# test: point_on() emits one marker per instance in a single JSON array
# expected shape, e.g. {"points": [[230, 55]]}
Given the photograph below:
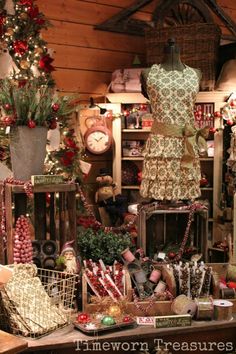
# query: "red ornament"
{"points": [[31, 124], [127, 319], [45, 63], [171, 255], [217, 114], [8, 120], [7, 107], [20, 47], [83, 318], [232, 103], [55, 107], [229, 122]]}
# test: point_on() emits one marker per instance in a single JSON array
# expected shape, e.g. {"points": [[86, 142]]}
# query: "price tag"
{"points": [[161, 255], [8, 128]]}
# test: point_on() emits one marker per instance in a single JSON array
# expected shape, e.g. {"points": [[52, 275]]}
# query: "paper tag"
{"points": [[8, 128], [85, 167], [146, 321], [161, 255]]}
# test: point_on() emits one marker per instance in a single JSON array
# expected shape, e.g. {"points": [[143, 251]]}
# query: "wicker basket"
{"points": [[198, 45]]}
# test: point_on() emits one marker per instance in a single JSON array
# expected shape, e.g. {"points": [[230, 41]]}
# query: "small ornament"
{"points": [[23, 16], [9, 32], [114, 310], [90, 326], [31, 124], [24, 64], [108, 321], [8, 120], [127, 319], [83, 318], [55, 107], [38, 50], [7, 107]]}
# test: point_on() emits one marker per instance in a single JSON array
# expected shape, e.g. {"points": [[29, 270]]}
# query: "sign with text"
{"points": [[204, 115]]}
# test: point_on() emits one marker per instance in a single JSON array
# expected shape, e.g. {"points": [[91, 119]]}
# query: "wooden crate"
{"points": [[158, 308], [58, 222]]}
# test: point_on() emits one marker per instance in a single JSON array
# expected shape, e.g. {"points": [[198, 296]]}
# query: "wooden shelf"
{"points": [[136, 131], [130, 187], [131, 158], [126, 97]]}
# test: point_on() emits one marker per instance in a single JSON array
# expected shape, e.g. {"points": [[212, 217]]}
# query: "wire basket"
{"points": [[37, 301]]}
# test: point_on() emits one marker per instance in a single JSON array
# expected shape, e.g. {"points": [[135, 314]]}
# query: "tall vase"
{"points": [[28, 151]]}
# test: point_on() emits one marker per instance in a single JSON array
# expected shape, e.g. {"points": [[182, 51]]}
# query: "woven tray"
{"points": [[198, 43]]}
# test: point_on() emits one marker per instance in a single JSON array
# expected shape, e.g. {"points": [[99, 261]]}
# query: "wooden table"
{"points": [[216, 335], [10, 344]]}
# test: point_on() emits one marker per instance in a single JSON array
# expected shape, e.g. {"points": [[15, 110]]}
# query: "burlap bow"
{"points": [[193, 136]]}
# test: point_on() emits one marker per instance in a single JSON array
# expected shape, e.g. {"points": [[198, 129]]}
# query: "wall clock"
{"points": [[98, 139]]}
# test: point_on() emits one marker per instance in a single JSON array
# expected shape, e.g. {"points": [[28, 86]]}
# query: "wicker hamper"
{"points": [[198, 45]]}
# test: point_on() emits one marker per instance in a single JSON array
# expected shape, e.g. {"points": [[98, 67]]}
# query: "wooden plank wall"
{"points": [[84, 58]]}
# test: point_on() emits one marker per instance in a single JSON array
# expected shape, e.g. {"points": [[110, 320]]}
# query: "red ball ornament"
{"points": [[171, 255], [232, 103], [31, 124], [8, 120], [55, 107], [7, 107], [127, 319], [217, 114], [229, 122], [83, 318]]}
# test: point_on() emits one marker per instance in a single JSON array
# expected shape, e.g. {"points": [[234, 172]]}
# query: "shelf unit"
{"points": [[212, 164]]}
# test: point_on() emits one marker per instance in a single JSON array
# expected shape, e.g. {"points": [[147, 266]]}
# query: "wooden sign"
{"points": [[172, 321], [39, 180]]}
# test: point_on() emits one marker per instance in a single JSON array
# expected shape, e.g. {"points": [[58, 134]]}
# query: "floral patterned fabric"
{"points": [[172, 97]]}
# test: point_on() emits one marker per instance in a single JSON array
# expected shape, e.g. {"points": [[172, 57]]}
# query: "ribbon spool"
{"points": [[223, 310], [183, 305], [228, 293], [205, 309]]}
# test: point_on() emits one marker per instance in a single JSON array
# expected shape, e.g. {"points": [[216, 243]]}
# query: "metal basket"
{"points": [[37, 301]]}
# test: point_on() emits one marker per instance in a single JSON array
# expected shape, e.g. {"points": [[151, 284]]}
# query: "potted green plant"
{"points": [[28, 111], [100, 244]]}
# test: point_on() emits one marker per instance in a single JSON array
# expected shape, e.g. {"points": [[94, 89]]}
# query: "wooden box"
{"points": [[145, 308]]}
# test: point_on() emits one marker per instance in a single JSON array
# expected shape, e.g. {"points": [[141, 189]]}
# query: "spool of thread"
{"points": [[223, 310], [205, 309], [160, 288], [183, 305], [228, 293], [140, 276], [155, 275], [128, 255]]}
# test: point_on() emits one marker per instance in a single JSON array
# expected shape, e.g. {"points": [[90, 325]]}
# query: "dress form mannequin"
{"points": [[171, 166], [172, 59]]}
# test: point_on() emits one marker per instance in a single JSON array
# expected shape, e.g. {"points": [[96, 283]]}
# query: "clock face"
{"points": [[97, 141]]}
